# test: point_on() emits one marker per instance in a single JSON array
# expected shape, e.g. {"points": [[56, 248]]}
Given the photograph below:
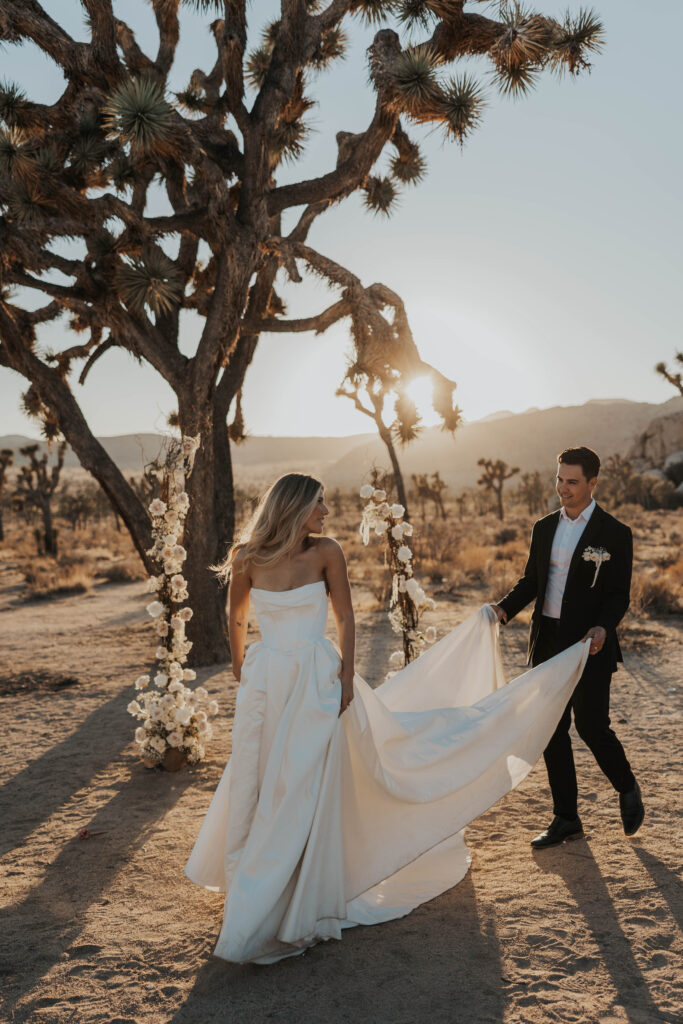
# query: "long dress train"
{"points": [[319, 822]]}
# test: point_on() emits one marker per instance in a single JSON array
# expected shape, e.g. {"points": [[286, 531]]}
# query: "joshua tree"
{"points": [[675, 379], [38, 483], [82, 169], [6, 459], [493, 477], [532, 491], [430, 490]]}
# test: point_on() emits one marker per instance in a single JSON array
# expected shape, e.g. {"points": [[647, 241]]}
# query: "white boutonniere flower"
{"points": [[597, 555]]}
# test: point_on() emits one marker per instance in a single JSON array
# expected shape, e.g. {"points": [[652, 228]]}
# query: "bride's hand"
{"points": [[346, 695]]}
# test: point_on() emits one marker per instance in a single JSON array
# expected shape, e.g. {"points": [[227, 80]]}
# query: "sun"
{"points": [[420, 391]]}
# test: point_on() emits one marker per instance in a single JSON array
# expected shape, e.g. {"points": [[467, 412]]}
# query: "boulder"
{"points": [[660, 438], [673, 466]]}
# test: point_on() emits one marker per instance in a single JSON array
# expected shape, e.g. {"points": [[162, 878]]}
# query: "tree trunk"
{"points": [[398, 476], [209, 521], [49, 530], [499, 496], [2, 530]]}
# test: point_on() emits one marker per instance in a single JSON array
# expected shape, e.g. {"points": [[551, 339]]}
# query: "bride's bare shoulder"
{"points": [[329, 549]]}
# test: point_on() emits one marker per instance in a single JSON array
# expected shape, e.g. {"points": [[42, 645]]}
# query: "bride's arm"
{"points": [[238, 616], [340, 595]]}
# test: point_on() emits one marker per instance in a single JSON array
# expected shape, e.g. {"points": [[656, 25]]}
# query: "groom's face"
{"points": [[574, 490]]}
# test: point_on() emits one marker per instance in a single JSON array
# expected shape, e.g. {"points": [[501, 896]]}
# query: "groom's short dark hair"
{"points": [[584, 457]]}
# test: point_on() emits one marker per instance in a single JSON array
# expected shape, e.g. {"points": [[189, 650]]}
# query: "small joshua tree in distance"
{"points": [[493, 477], [675, 379]]}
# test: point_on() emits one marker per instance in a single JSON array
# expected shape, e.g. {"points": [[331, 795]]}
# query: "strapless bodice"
{"points": [[291, 619]]}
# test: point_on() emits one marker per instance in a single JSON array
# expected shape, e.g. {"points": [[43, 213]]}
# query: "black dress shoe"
{"points": [[557, 831], [632, 810]]}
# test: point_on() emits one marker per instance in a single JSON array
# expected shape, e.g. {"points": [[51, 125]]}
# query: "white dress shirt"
{"points": [[567, 536]]}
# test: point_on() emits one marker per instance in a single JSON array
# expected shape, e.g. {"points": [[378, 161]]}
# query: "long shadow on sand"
{"points": [[32, 795], [581, 874], [440, 964], [52, 913], [667, 882]]}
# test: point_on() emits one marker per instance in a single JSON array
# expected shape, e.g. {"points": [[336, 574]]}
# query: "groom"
{"points": [[579, 574]]}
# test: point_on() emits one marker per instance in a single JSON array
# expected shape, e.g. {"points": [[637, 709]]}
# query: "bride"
{"points": [[342, 805]]}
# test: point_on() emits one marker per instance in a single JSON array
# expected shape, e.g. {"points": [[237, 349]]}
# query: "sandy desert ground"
{"points": [[108, 929]]}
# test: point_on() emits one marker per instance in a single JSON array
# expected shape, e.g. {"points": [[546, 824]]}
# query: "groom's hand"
{"points": [[501, 613], [597, 636]]}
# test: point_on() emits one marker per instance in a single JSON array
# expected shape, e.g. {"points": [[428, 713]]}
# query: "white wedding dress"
{"points": [[321, 822]]}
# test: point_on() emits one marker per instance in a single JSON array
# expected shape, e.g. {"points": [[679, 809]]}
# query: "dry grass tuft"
{"points": [[128, 570], [656, 594], [47, 580]]}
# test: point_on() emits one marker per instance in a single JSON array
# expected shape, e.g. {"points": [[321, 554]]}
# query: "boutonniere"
{"points": [[597, 555]]}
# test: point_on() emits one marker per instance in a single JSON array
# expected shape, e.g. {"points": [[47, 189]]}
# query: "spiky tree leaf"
{"points": [[373, 12], [12, 101], [409, 169], [577, 35], [517, 80], [256, 67], [151, 281], [332, 46], [380, 195], [288, 139], [11, 142], [406, 425], [413, 74], [414, 13], [461, 104], [525, 38], [139, 114]]}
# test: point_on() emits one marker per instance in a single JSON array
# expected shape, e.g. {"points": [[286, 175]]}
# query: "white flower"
{"points": [[402, 585], [160, 653], [175, 738], [396, 657], [203, 728], [170, 539], [158, 507], [156, 714], [179, 553], [153, 584], [404, 554], [134, 708], [408, 529], [176, 670], [178, 580], [430, 602], [202, 693], [412, 587], [366, 491], [189, 674], [185, 614], [183, 716], [160, 680], [430, 634], [182, 502], [383, 509], [200, 716], [167, 702], [382, 527], [213, 708], [177, 623], [155, 608], [397, 511], [161, 627], [379, 495], [158, 744], [419, 597], [140, 735], [141, 682], [176, 687], [397, 531]]}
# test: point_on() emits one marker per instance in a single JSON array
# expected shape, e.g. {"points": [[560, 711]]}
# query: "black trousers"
{"points": [[590, 703]]}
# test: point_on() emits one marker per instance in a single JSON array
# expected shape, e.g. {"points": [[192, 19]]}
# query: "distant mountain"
{"points": [[529, 440]]}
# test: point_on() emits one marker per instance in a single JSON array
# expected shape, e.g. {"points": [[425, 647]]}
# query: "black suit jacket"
{"points": [[583, 605]]}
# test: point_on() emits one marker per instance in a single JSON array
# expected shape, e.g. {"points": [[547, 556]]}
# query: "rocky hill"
{"points": [[529, 440]]}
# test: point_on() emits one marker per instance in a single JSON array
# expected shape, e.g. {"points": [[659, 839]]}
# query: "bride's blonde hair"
{"points": [[274, 529]]}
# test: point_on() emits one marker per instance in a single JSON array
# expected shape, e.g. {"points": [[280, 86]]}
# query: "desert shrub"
{"points": [[473, 559], [505, 535], [127, 570], [47, 580], [501, 577], [655, 594]]}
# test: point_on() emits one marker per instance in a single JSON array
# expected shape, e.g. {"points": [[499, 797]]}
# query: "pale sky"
{"points": [[539, 266]]}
